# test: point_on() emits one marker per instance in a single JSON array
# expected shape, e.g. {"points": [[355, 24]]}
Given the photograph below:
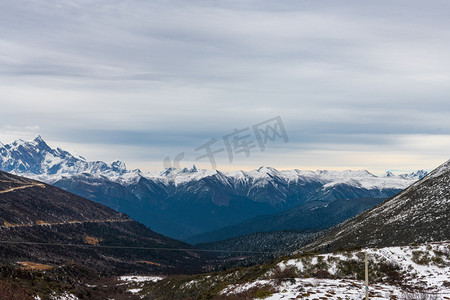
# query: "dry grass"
{"points": [[149, 263], [92, 240], [27, 265]]}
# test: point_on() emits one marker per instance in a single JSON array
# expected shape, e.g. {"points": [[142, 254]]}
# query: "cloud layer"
{"points": [[357, 84]]}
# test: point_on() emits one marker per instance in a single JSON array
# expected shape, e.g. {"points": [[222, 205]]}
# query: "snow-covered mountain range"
{"points": [[170, 201], [35, 159]]}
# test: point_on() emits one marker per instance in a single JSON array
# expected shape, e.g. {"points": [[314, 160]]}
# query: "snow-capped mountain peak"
{"points": [[38, 139], [389, 174], [191, 170], [267, 170], [416, 175], [38, 160], [119, 167]]}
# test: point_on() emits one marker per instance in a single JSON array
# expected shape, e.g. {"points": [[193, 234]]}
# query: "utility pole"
{"points": [[367, 275]]}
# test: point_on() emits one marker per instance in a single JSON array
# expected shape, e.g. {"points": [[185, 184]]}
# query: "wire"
{"points": [[138, 248]]}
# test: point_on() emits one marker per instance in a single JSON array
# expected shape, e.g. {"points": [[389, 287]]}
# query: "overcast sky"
{"points": [[357, 84]]}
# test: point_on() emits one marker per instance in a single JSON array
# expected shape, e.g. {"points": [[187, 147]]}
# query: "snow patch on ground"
{"points": [[139, 279], [135, 283], [134, 291], [65, 296]]}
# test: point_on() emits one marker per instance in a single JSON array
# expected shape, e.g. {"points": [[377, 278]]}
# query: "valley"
{"points": [[311, 246]]}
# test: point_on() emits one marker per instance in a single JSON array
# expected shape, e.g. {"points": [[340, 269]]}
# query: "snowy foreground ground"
{"points": [[396, 273], [423, 273], [137, 280], [339, 289]]}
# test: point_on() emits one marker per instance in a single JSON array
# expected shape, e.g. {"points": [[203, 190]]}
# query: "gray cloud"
{"points": [[165, 75]]}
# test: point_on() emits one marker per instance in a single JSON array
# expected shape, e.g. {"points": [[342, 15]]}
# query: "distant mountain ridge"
{"points": [[171, 201]]}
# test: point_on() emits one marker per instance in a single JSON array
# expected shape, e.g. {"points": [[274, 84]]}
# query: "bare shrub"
{"points": [[11, 291], [286, 274]]}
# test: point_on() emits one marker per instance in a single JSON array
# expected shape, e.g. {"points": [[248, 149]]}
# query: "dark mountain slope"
{"points": [[313, 216], [25, 201], [39, 220], [259, 247], [419, 214]]}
